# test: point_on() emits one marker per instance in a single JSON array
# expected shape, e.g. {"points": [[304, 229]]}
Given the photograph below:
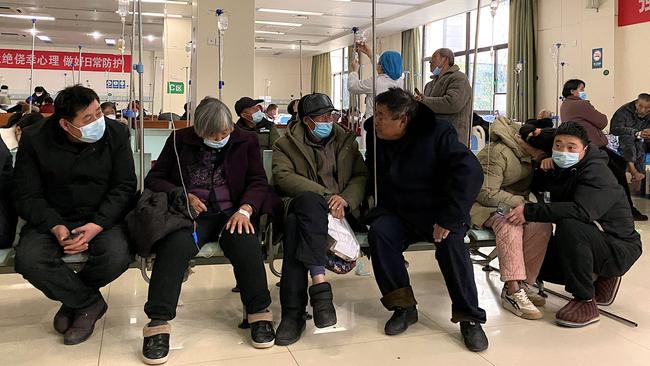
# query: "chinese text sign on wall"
{"points": [[54, 60]]}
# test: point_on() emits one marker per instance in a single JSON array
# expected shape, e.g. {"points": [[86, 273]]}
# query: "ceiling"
{"points": [[331, 28]]}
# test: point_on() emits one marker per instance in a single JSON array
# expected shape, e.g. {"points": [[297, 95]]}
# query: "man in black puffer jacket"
{"points": [[594, 231], [74, 182], [427, 183]]}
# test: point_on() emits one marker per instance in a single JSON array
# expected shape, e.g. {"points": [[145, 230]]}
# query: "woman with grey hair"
{"points": [[220, 170]]}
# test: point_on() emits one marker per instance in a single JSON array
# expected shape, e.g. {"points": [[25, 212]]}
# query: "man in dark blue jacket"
{"points": [[74, 182], [427, 182]]}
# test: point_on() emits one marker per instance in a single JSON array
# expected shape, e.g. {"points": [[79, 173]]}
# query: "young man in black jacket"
{"points": [[595, 242], [427, 182], [74, 182]]}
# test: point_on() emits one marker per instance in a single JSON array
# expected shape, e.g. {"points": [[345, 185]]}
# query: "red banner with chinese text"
{"points": [[633, 12], [55, 60]]}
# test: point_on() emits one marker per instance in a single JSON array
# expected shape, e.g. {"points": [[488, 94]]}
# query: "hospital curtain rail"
{"points": [[321, 74], [412, 56], [521, 49]]}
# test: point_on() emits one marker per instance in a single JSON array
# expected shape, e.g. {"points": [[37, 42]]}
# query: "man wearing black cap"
{"points": [[251, 118], [317, 166]]}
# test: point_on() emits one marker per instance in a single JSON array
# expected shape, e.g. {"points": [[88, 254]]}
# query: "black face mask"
{"points": [[543, 141]]}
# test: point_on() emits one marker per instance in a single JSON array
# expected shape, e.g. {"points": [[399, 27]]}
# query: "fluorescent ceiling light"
{"points": [[157, 15], [44, 38], [278, 23], [166, 2], [110, 41], [269, 32], [284, 11], [151, 38], [28, 17], [95, 34]]}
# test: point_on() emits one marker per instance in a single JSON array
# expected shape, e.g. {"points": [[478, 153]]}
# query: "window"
{"points": [[340, 95], [457, 33]]}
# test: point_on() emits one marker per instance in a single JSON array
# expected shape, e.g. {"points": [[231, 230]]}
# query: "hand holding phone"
{"points": [[503, 209]]}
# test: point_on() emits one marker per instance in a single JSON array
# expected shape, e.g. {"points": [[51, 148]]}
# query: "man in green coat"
{"points": [[317, 166]]}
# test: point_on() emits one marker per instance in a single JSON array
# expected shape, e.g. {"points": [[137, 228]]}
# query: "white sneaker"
{"points": [[533, 294], [519, 304]]}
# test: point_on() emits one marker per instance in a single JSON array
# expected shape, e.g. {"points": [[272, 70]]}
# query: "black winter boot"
{"points": [[290, 329], [320, 297], [401, 320]]}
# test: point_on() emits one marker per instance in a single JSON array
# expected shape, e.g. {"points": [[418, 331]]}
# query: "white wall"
{"points": [[284, 76], [625, 53], [632, 57], [579, 30], [54, 80]]}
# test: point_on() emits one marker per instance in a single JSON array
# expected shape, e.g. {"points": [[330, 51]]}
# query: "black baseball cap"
{"points": [[246, 102], [313, 105]]}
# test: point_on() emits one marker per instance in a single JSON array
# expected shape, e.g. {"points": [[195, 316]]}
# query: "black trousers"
{"points": [[305, 243], [578, 250], [389, 237], [174, 252], [618, 166], [38, 259]]}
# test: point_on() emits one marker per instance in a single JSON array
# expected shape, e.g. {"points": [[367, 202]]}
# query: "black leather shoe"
{"points": [[638, 216], [289, 331], [474, 336], [63, 319], [320, 297], [401, 320], [262, 334], [155, 347], [84, 321]]}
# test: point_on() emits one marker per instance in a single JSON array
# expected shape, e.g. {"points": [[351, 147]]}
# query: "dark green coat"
{"points": [[295, 170]]}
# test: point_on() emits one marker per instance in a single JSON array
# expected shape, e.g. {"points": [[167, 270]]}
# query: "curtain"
{"points": [[321, 74], [412, 56], [521, 50]]}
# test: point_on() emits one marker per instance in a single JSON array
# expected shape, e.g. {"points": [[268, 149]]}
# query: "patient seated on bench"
{"points": [[319, 170], [507, 164], [427, 181], [221, 169], [74, 180]]}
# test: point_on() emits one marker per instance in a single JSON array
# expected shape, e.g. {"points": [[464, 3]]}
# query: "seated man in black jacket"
{"points": [[595, 242], [427, 182], [252, 118], [74, 181]]}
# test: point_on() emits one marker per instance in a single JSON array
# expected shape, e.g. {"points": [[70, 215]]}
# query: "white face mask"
{"points": [[91, 132], [111, 116], [217, 144], [39, 94]]}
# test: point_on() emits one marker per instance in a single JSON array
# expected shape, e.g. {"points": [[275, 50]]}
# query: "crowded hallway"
{"points": [[305, 183]]}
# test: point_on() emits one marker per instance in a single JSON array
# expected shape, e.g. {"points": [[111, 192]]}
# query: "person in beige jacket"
{"points": [[508, 168]]}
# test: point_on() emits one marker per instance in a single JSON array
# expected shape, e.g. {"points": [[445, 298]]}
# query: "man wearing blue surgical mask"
{"points": [[449, 94], [595, 242], [252, 118], [74, 181], [319, 170]]}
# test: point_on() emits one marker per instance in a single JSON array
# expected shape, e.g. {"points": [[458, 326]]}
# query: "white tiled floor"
{"points": [[205, 331]]}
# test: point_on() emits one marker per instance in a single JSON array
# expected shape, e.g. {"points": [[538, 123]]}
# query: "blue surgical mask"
{"points": [[258, 117], [583, 95], [322, 130], [91, 132], [565, 159], [437, 71], [217, 144]]}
